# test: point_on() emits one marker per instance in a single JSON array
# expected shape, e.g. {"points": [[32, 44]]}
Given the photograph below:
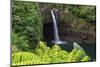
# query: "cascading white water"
{"points": [[56, 35]]}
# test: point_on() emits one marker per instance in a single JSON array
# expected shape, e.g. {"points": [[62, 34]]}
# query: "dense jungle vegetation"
{"points": [[28, 19]]}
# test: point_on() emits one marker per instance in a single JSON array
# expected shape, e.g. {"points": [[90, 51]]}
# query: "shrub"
{"points": [[14, 49], [27, 21], [86, 12], [19, 43], [46, 55]]}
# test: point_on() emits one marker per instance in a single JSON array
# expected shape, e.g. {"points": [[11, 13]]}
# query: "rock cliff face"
{"points": [[71, 27]]}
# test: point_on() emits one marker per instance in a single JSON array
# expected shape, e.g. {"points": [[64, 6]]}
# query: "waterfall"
{"points": [[56, 35]]}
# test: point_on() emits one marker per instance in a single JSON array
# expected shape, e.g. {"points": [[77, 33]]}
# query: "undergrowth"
{"points": [[47, 55]]}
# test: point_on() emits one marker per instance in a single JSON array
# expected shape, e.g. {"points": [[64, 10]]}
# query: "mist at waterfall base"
{"points": [[51, 35]]}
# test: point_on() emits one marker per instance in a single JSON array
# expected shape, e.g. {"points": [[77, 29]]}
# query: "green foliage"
{"points": [[14, 49], [45, 55], [19, 43], [27, 21], [86, 12], [86, 58]]}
